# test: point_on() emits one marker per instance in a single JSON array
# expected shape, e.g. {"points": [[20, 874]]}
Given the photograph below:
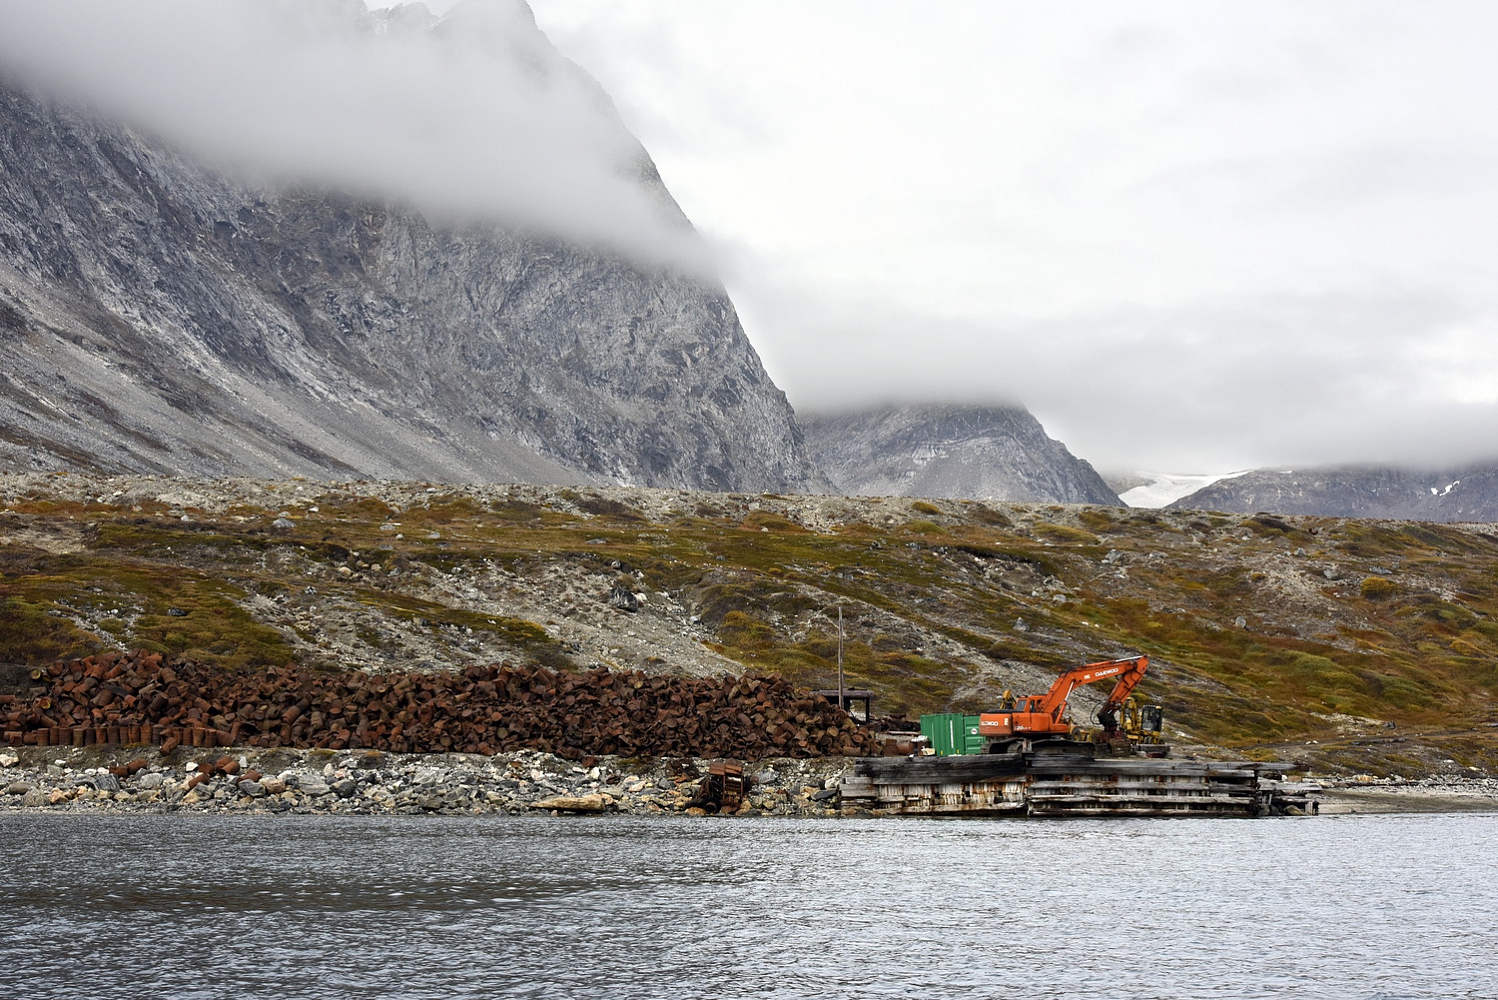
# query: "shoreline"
{"points": [[1425, 796], [249, 780], [362, 782]]}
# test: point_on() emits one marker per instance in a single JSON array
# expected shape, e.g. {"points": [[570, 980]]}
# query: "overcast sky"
{"points": [[1189, 236]]}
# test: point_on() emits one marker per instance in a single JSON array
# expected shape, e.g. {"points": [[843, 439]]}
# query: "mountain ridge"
{"points": [[158, 316], [1467, 493], [950, 451]]}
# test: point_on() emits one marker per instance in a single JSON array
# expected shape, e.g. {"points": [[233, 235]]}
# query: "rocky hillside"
{"points": [[159, 316], [956, 452], [1467, 494], [1264, 632]]}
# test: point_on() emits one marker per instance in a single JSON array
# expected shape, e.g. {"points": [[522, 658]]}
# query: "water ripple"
{"points": [[1350, 908]]}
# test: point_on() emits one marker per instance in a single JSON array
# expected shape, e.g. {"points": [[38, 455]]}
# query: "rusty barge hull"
{"points": [[1070, 785]]}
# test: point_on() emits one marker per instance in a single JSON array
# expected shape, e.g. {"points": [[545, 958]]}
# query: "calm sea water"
{"points": [[1341, 907]]}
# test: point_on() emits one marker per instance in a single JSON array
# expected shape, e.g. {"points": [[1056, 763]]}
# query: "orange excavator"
{"points": [[1043, 717]]}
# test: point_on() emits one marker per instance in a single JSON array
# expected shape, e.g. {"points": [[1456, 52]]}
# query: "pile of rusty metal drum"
{"points": [[145, 698]]}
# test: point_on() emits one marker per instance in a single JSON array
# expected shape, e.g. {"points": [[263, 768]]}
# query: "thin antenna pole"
{"points": [[842, 691]]}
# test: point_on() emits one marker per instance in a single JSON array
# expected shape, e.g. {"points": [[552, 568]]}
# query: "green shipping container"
{"points": [[971, 741], [951, 734], [944, 733]]}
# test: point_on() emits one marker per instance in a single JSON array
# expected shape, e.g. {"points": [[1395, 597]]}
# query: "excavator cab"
{"points": [[1143, 724]]}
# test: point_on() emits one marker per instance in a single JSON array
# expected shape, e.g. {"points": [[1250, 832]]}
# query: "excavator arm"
{"points": [[1127, 681], [1129, 671]]}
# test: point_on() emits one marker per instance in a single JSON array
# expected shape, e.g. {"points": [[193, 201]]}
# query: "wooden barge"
{"points": [[1072, 784]]}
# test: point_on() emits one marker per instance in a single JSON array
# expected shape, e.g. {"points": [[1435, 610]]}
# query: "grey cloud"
{"points": [[1292, 380], [470, 115]]}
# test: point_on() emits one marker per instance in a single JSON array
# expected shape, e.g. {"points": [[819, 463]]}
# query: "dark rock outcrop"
{"points": [[1469, 494], [958, 452], [159, 316]]}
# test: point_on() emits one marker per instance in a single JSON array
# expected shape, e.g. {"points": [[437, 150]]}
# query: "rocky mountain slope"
{"points": [[1468, 494], [1264, 632], [159, 316], [957, 452]]}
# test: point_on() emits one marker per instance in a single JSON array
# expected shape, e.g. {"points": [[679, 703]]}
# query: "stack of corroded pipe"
{"points": [[144, 698]]}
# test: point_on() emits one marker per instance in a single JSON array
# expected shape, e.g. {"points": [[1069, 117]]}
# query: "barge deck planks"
{"points": [[1071, 784]]}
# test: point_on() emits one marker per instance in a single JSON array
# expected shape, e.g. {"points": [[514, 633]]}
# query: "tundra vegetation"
{"points": [[1294, 637]]}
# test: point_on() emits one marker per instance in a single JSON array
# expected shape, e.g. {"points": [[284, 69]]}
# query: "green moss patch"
{"points": [[28, 634]]}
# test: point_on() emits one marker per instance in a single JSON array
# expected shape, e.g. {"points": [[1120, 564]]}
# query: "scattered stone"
{"points": [[345, 787], [623, 598], [312, 785], [18, 788], [253, 789], [273, 786], [35, 798], [146, 782]]}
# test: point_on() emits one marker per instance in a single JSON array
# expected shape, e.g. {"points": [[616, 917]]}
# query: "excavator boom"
{"points": [[1129, 671]]}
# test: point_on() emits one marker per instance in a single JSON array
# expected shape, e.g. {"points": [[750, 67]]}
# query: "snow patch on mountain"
{"points": [[1162, 488]]}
